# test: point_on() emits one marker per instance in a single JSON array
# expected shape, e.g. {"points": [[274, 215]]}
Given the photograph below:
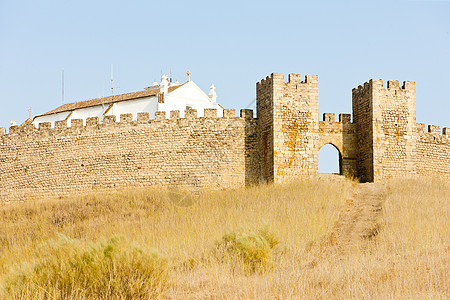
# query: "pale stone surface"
{"points": [[204, 149], [209, 151]]}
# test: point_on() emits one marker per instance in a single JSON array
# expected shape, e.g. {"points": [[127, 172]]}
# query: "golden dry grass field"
{"points": [[326, 238]]}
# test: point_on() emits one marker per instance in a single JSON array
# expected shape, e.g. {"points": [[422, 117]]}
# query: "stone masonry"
{"points": [[282, 143], [207, 151]]}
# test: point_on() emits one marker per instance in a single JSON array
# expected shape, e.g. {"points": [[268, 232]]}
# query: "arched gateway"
{"points": [[330, 159]]}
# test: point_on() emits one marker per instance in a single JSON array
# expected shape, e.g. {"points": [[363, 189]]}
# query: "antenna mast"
{"points": [[62, 82], [112, 81]]}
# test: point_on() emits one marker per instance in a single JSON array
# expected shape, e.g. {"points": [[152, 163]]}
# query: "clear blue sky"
{"points": [[232, 44]]}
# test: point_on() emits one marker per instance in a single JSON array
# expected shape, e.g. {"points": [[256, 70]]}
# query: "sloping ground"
{"points": [[364, 241], [360, 218]]}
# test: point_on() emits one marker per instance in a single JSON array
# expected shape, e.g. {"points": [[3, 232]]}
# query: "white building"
{"points": [[165, 96]]}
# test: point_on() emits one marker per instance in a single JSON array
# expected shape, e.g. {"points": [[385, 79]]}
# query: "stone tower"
{"points": [[288, 116], [385, 121]]}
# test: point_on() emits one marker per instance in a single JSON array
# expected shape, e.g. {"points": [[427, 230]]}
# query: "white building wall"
{"points": [[187, 95], [148, 104], [50, 118], [88, 112]]}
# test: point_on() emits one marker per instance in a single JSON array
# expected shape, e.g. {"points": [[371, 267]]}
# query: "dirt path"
{"points": [[359, 220]]}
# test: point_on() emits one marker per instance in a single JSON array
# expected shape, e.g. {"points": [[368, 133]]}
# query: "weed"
{"points": [[68, 268]]}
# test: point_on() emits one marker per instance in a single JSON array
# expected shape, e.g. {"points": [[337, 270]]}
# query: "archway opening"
{"points": [[330, 160]]}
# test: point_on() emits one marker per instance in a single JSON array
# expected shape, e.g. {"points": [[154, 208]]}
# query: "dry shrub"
{"points": [[108, 269], [253, 250], [302, 211]]}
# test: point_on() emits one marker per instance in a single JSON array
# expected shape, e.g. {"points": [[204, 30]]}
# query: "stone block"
{"points": [[60, 125], [143, 117], [345, 118], [210, 113], [109, 120], [190, 113], [229, 113], [45, 126], [92, 122], [393, 84], [14, 129], [329, 117], [174, 114], [420, 127], [76, 123], [126, 118], [434, 129], [160, 115], [246, 113]]}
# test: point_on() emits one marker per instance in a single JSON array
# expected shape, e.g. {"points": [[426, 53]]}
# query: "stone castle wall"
{"points": [[382, 141], [342, 135], [288, 113], [394, 122], [207, 151], [265, 112], [433, 151], [283, 143], [362, 104], [385, 121]]}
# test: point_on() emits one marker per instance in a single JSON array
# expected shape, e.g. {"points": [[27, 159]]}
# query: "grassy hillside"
{"points": [[259, 242]]}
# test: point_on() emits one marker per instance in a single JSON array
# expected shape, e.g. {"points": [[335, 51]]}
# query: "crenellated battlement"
{"points": [[378, 84], [293, 79], [265, 81], [297, 79], [76, 125], [331, 118], [380, 139], [208, 151], [433, 130]]}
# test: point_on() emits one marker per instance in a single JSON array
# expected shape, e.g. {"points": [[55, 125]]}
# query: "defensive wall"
{"points": [[382, 141], [208, 151]]}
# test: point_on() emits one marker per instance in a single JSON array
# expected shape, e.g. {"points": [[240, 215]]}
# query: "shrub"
{"points": [[252, 249], [67, 268]]}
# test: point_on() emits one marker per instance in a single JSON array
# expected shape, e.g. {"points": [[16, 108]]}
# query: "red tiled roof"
{"points": [[107, 100]]}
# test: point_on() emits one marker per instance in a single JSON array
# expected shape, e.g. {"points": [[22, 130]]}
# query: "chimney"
{"points": [[164, 86], [212, 93]]}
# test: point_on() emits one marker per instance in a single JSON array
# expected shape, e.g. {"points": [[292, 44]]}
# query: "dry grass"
{"points": [[408, 258]]}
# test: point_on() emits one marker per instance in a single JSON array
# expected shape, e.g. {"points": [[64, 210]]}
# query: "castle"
{"points": [[282, 143]]}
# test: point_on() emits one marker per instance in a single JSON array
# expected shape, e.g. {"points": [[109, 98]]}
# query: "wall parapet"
{"points": [[76, 125], [432, 130], [292, 79], [331, 118], [210, 151], [390, 85]]}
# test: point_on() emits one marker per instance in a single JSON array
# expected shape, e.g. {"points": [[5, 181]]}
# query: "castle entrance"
{"points": [[330, 159]]}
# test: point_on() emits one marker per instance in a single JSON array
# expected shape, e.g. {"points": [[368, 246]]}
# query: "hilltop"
{"points": [[319, 238]]}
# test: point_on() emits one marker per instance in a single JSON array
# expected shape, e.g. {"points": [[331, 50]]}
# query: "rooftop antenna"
{"points": [[251, 104], [112, 81], [170, 75], [103, 96], [62, 82], [188, 75]]}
